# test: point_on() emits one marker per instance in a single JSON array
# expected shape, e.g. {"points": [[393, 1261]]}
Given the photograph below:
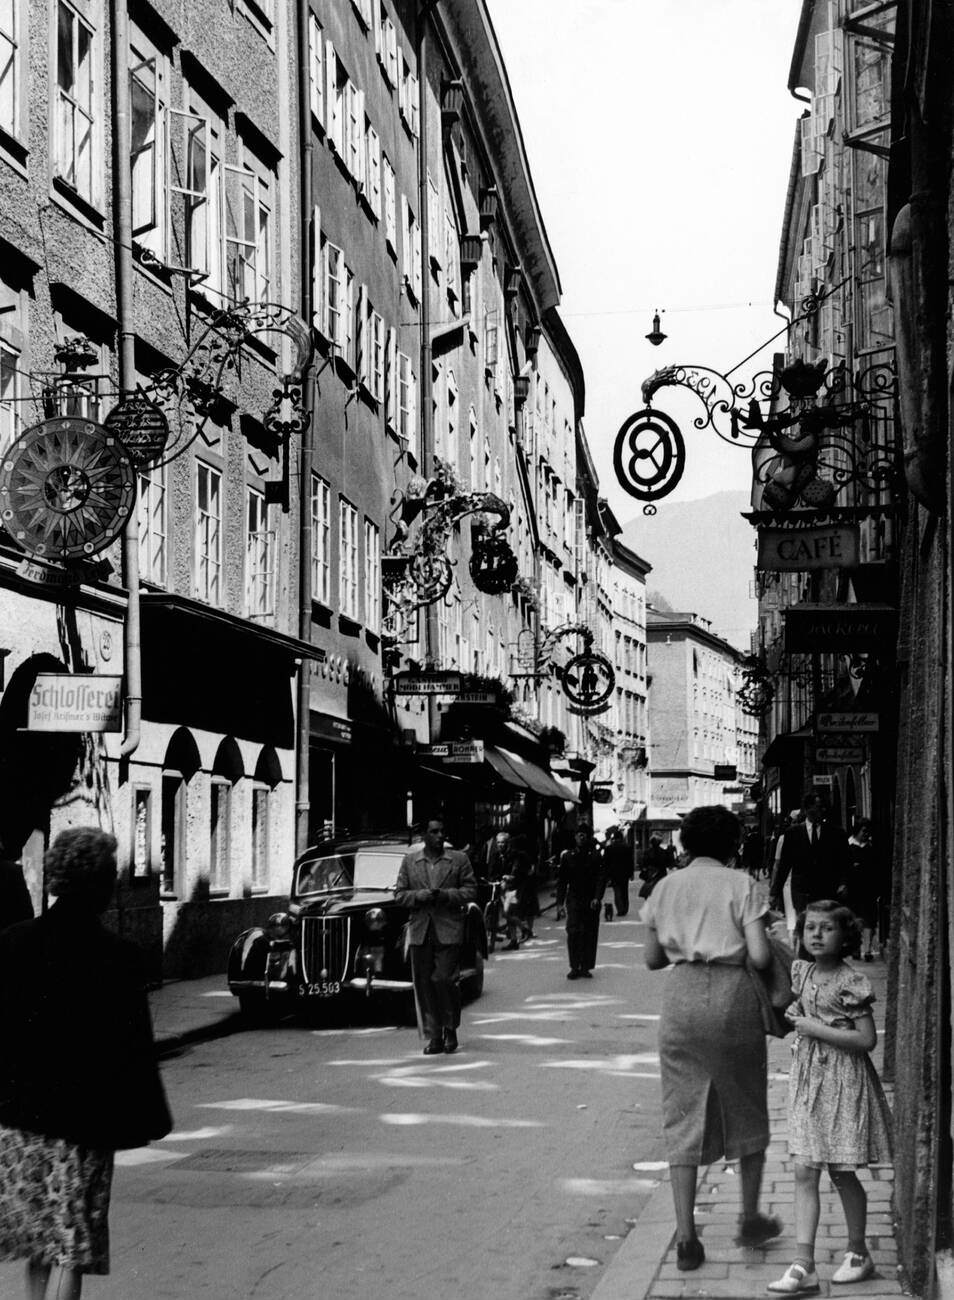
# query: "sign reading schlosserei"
{"points": [[75, 702], [790, 550]]}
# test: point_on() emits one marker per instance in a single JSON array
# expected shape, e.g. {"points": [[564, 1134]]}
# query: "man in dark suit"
{"points": [[436, 884], [814, 855]]}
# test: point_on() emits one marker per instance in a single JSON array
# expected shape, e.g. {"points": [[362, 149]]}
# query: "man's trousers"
{"points": [[435, 970]]}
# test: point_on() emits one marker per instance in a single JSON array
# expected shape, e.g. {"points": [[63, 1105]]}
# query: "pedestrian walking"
{"points": [[862, 889], [653, 866], [581, 885], [436, 884], [15, 901], [619, 867], [706, 921], [838, 1115], [78, 1073], [524, 874], [811, 860]]}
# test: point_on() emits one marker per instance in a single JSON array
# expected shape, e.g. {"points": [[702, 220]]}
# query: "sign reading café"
{"points": [[790, 550], [75, 702]]}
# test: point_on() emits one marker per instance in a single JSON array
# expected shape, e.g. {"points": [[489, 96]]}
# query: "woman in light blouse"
{"points": [[704, 921]]}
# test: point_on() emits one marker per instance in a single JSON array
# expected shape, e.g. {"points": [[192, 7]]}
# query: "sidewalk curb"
{"points": [[633, 1269]]}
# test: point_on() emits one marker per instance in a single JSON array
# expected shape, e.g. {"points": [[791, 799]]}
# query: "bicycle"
{"points": [[495, 923]]}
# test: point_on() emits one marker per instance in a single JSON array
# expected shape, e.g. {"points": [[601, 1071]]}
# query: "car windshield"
{"points": [[370, 868]]}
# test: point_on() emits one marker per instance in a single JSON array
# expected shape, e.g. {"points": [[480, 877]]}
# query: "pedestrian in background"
{"points": [[619, 867], [436, 884], [653, 866], [15, 901], [581, 884], [78, 1073], [811, 860], [863, 884], [838, 1115], [524, 872], [704, 921]]}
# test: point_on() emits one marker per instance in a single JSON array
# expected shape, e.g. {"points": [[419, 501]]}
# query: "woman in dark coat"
{"points": [[78, 1074]]}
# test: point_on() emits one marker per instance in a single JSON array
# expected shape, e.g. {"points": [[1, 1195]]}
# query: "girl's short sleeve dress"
{"points": [[838, 1113]]}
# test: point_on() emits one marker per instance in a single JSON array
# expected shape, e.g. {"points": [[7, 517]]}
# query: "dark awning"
{"points": [[785, 745], [523, 774], [191, 617]]}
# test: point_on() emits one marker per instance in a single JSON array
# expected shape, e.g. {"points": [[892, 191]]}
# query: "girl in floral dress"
{"points": [[838, 1115]]}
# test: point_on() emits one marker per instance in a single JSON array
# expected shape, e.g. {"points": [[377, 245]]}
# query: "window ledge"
{"points": [[14, 152], [348, 626], [76, 205]]}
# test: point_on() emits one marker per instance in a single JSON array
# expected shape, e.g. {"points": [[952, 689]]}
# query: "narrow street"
{"points": [[335, 1163]]}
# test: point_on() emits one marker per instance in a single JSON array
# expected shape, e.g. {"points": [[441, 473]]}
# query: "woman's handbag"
{"points": [[773, 988]]}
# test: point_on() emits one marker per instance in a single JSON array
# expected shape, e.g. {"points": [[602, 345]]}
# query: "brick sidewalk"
{"points": [[645, 1265]]}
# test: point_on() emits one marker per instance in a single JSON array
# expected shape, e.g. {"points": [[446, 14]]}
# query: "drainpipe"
{"points": [[122, 182], [307, 457], [431, 625]]}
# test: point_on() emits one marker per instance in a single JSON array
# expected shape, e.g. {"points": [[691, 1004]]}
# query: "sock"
{"points": [[858, 1245], [805, 1255]]}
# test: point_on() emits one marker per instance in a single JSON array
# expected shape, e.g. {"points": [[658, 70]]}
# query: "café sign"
{"points": [[75, 702], [839, 629], [840, 754], [850, 720], [789, 550]]}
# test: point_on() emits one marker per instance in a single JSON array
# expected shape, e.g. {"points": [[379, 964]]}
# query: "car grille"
{"points": [[324, 947]]}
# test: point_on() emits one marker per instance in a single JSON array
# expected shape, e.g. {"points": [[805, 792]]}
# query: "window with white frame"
{"points": [[407, 402], [453, 419], [316, 68], [491, 348], [451, 257], [336, 84], [208, 534], [435, 228], [75, 101], [390, 381], [148, 100], [260, 550], [354, 132], [411, 249], [375, 352], [348, 342], [11, 66], [387, 51], [372, 179], [9, 392], [260, 834], [390, 203], [337, 299], [320, 540], [363, 9], [474, 451], [249, 208], [196, 153], [372, 576], [348, 559], [408, 97], [151, 504]]}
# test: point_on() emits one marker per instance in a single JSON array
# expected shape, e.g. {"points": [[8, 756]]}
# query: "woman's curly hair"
{"points": [[711, 831], [80, 862], [843, 917]]}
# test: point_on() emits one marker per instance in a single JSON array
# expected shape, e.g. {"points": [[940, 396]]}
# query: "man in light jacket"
{"points": [[436, 884]]}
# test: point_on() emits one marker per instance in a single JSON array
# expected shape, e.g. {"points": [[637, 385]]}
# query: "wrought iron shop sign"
{"points": [[427, 683], [838, 754], [75, 702], [790, 550], [142, 428], [837, 629], [850, 720]]}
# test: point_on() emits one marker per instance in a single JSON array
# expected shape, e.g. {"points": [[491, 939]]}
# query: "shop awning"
{"points": [[785, 745], [523, 774]]}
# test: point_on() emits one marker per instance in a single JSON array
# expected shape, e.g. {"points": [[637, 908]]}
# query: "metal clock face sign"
{"points": [[67, 488]]}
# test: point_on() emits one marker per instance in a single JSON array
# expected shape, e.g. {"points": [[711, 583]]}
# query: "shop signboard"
{"points": [[725, 771], [444, 701], [849, 720], [837, 629], [840, 754], [465, 751], [791, 550], [823, 781], [75, 702], [426, 683]]}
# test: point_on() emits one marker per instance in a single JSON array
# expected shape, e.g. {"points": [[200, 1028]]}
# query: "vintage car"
{"points": [[342, 936]]}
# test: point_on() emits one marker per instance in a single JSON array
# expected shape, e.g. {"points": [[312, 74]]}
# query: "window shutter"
{"points": [[376, 25], [390, 380], [332, 103], [361, 337], [412, 410], [347, 318], [359, 141], [316, 69], [412, 105], [373, 169], [407, 257], [418, 278], [317, 286]]}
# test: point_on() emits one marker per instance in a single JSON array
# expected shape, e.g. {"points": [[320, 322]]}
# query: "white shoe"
{"points": [[796, 1281], [854, 1268]]}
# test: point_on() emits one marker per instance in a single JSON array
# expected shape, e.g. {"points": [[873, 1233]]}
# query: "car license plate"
{"points": [[323, 989]]}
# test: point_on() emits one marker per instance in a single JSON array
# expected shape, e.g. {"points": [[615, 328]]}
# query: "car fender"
{"points": [[248, 954], [477, 931]]}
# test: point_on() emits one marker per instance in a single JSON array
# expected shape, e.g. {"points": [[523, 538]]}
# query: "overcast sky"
{"points": [[659, 134]]}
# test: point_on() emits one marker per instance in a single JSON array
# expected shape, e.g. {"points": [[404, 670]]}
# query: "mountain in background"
{"points": [[703, 558]]}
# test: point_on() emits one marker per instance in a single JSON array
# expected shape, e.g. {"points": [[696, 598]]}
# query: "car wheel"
{"points": [[474, 984], [259, 1010]]}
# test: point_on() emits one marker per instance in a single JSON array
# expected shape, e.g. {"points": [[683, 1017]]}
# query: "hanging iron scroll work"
{"points": [[588, 678], [67, 488], [419, 572]]}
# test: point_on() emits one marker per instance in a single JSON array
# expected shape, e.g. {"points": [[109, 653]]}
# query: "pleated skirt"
{"points": [[713, 1064]]}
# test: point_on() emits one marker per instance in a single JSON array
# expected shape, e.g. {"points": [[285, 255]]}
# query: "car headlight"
{"points": [[375, 919], [280, 925]]}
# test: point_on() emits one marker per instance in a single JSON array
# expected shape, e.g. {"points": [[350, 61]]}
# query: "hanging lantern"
{"points": [[655, 335]]}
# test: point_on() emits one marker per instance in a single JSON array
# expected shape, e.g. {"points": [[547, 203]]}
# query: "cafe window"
{"points": [[142, 833]]}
